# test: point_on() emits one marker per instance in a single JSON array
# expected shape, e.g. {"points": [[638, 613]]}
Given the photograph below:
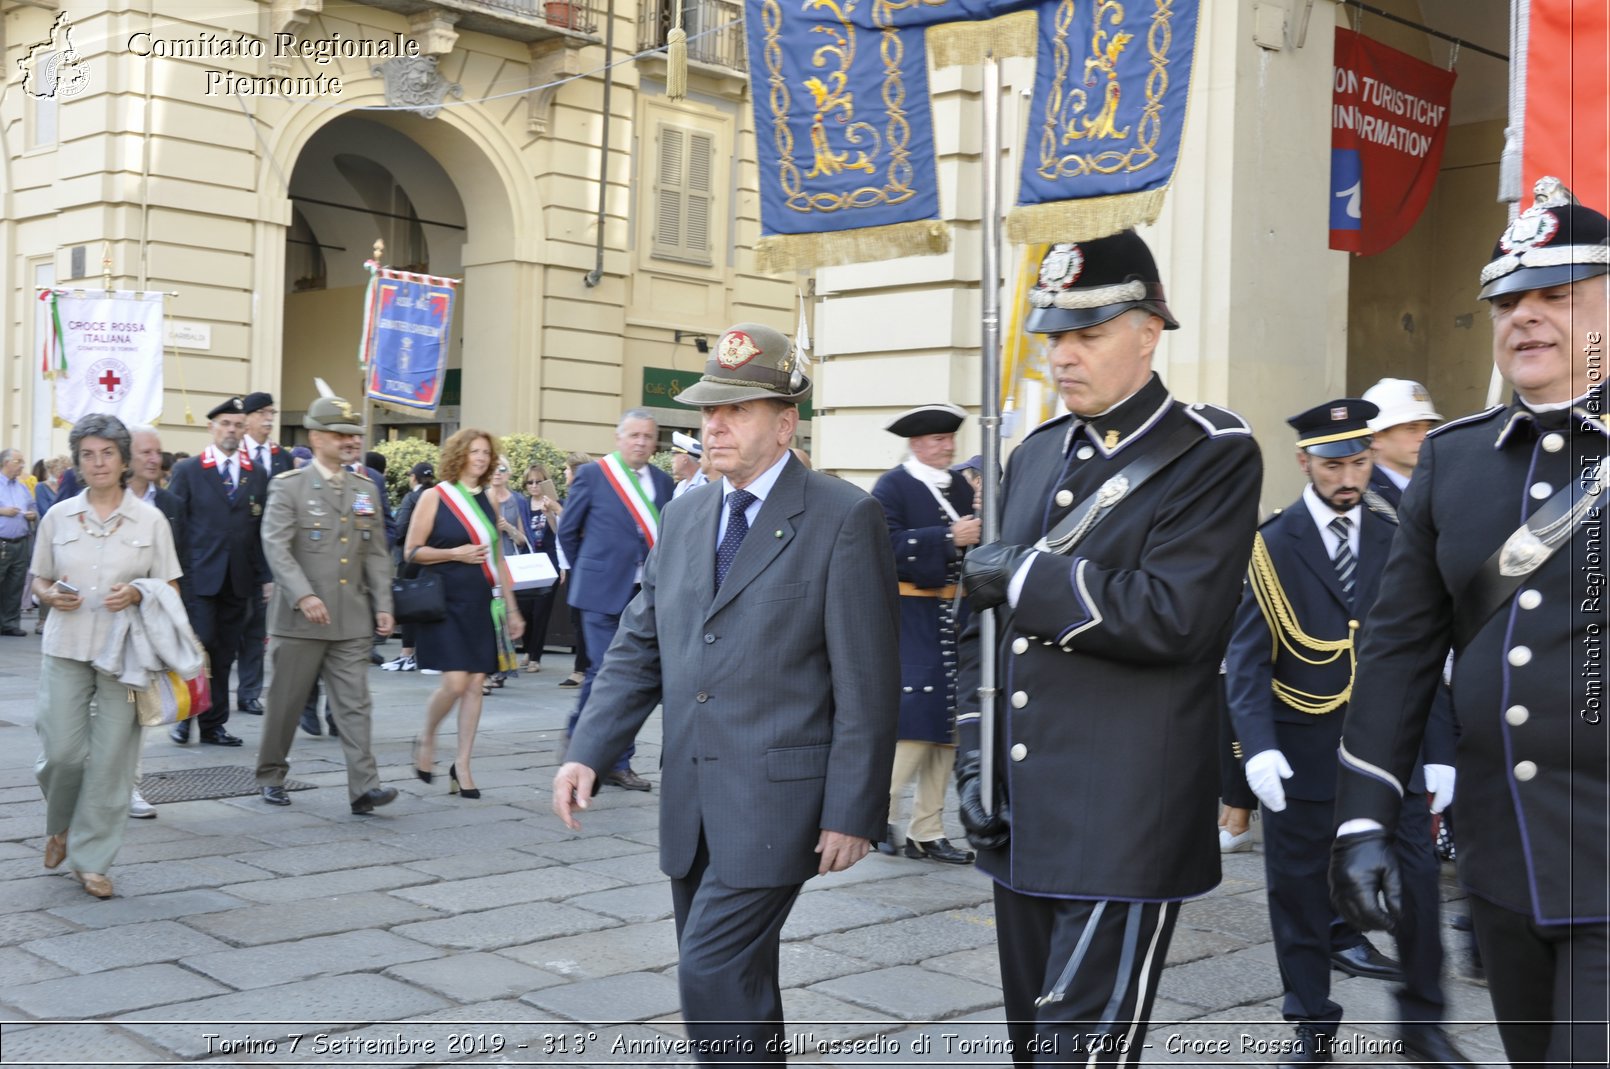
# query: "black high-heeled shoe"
{"points": [[453, 788], [425, 775]]}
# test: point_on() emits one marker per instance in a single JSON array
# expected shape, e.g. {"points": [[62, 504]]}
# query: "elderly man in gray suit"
{"points": [[768, 627]]}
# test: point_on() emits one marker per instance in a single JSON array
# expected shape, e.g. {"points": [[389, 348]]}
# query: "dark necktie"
{"points": [[229, 478], [262, 457], [737, 527], [1346, 564]]}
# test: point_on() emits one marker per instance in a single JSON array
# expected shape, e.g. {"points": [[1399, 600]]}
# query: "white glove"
{"points": [[1439, 784], [1264, 772]]}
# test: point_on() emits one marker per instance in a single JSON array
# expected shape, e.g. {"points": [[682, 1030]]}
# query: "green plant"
{"points": [[523, 450], [662, 460], [401, 455]]}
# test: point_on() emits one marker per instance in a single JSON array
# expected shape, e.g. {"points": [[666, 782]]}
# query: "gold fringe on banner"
{"points": [[955, 44], [781, 253], [1083, 220]]}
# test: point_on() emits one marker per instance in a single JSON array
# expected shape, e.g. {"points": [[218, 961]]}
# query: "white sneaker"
{"points": [[430, 671], [1234, 844], [139, 808], [401, 664]]}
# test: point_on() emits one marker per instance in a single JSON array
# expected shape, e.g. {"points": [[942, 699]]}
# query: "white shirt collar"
{"points": [[763, 483], [1323, 514], [1399, 481]]}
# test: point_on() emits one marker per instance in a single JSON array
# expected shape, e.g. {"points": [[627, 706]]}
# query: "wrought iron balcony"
{"points": [[715, 30], [520, 20]]}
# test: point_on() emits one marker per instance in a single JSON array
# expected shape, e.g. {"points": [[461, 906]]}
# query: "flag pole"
{"points": [[989, 419], [1510, 176]]}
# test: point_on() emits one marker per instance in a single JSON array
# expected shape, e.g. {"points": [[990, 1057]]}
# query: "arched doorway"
{"points": [[355, 181]]}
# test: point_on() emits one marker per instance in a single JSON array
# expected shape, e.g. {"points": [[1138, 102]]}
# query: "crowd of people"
{"points": [[1134, 653]]}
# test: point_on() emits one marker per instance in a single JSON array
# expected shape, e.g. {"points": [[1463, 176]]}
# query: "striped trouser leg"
{"points": [[1080, 976]]}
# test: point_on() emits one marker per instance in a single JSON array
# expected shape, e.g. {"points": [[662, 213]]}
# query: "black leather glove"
{"points": [[987, 572], [986, 831], [1363, 875]]}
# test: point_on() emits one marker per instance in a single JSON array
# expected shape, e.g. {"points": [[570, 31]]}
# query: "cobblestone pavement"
{"points": [[484, 932]]}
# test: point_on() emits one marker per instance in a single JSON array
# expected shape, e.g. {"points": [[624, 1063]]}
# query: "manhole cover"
{"points": [[194, 784]]}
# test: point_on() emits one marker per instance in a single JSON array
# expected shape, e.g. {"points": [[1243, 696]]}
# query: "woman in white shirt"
{"points": [[87, 554]]}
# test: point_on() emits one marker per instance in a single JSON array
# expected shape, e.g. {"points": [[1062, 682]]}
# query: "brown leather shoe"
{"points": [[55, 850], [96, 884], [628, 779]]}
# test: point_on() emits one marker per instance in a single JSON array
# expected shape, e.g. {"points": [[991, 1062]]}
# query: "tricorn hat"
{"points": [[1085, 283], [333, 414], [749, 362], [1553, 242], [1338, 428], [927, 419], [231, 406]]}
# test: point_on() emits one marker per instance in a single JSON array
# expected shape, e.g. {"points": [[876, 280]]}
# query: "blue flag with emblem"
{"points": [[406, 320], [844, 126]]}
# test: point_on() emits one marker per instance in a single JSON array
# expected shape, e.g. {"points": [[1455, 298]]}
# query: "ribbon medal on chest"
{"points": [[363, 503]]}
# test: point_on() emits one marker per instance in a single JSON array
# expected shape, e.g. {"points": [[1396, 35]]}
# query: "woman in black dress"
{"points": [[454, 531]]}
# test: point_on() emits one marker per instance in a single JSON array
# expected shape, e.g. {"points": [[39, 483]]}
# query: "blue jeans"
{"points": [[598, 629]]}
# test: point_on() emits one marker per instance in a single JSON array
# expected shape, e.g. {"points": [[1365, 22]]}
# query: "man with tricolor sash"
{"points": [[611, 521]]}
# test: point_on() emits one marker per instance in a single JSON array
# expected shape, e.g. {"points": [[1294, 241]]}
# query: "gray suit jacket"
{"points": [[781, 693]]}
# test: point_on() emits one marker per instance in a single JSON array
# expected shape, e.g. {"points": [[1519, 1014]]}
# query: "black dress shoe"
{"points": [[886, 846], [276, 795], [310, 722], [330, 722], [1311, 1048], [253, 706], [938, 850], [13, 632], [375, 657], [366, 802], [625, 777], [180, 732], [1364, 960], [219, 737], [1429, 1045]]}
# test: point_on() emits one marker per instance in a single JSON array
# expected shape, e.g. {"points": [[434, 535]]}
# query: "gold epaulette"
{"points": [[1289, 635]]}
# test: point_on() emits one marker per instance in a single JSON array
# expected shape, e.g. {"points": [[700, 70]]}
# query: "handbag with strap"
{"points": [[418, 598], [531, 571], [172, 699]]}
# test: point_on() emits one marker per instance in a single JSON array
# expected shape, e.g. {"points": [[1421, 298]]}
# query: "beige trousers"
{"points": [[929, 764], [294, 663]]}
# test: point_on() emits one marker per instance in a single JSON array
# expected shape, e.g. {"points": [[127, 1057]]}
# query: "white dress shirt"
{"points": [[760, 488], [1323, 514]]}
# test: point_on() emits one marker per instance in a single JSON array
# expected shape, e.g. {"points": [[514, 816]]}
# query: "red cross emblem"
{"points": [[110, 381]]}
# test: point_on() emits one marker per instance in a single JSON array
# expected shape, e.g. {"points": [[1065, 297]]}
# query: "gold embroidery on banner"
{"points": [[1066, 119], [830, 94]]}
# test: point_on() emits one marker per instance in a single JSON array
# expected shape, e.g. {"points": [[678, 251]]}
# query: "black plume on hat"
{"points": [[1085, 283], [1553, 242]]}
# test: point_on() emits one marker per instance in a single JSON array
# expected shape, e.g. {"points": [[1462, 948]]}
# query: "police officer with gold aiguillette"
{"points": [[325, 538], [1500, 554], [1315, 572]]}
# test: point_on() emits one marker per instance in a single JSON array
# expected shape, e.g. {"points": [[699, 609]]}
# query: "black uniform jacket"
{"points": [[1383, 485], [925, 557], [224, 547], [1107, 726], [1528, 688], [1304, 594]]}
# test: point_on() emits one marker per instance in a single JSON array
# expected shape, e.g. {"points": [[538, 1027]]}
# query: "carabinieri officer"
{"points": [[1111, 634], [1500, 553]]}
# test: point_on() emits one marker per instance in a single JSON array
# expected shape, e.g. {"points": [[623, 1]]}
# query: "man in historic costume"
{"points": [[1499, 554], [767, 626], [1406, 417], [929, 511], [1125, 526], [1316, 570]]}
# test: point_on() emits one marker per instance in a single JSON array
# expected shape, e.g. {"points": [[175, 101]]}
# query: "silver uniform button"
{"points": [[1553, 442], [1530, 599], [1520, 656], [1020, 699], [927, 690], [1020, 645], [1541, 491], [1525, 771], [1064, 498], [1019, 752], [1516, 715], [1084, 452]]}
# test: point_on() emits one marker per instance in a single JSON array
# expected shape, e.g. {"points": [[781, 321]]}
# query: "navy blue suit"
{"points": [[605, 549], [223, 559], [1297, 839], [1382, 484]]}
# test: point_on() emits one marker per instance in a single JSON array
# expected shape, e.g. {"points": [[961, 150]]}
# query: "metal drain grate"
{"points": [[194, 784]]}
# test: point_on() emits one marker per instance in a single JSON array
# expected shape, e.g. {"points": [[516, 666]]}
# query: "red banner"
{"points": [[1567, 84], [1389, 123]]}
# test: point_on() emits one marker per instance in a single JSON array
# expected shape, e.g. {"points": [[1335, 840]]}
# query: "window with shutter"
{"points": [[683, 195]]}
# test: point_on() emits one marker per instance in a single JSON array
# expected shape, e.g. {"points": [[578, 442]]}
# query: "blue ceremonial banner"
{"points": [[845, 127], [406, 320]]}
